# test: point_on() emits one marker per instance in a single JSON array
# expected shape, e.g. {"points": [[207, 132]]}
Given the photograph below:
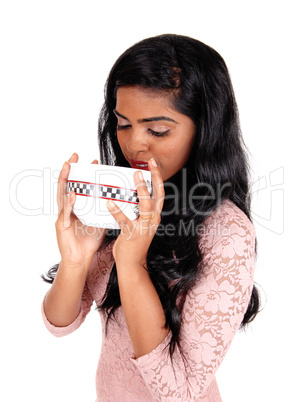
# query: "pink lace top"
{"points": [[212, 313]]}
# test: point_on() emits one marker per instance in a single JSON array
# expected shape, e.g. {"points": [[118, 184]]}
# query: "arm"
{"points": [[142, 308], [63, 302], [93, 287], [212, 313], [85, 306]]}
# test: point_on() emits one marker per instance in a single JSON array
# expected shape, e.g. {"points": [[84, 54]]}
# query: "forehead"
{"points": [[137, 104], [138, 100]]}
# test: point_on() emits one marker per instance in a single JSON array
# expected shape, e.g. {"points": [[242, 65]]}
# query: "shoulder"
{"points": [[227, 230], [227, 216], [228, 210]]}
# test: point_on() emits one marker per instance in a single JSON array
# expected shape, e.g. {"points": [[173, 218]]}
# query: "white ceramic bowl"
{"points": [[95, 184]]}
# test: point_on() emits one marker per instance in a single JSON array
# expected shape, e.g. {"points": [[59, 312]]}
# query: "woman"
{"points": [[173, 286]]}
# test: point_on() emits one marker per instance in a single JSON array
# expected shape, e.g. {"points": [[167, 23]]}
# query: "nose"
{"points": [[137, 142]]}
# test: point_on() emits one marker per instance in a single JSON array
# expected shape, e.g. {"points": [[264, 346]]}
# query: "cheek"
{"points": [[175, 157], [177, 152], [184, 147], [121, 141], [171, 160]]}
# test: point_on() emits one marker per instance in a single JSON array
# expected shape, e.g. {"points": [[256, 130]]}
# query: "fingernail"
{"points": [[111, 204], [153, 162], [140, 176]]}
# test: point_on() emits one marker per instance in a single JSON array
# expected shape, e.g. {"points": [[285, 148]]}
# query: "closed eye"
{"points": [[152, 132], [119, 127], [158, 133]]}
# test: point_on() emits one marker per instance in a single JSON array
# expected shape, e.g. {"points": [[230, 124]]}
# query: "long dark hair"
{"points": [[196, 79]]}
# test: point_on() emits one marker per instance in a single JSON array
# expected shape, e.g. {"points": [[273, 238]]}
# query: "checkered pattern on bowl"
{"points": [[103, 191]]}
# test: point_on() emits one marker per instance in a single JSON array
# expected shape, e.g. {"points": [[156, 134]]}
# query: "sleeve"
{"points": [[212, 313], [86, 303]]}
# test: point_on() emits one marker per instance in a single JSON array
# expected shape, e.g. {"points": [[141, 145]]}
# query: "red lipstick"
{"points": [[141, 165]]}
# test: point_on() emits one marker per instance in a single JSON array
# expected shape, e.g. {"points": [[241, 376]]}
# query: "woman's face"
{"points": [[149, 127]]}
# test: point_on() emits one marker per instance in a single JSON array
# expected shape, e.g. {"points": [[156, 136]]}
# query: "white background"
{"points": [[55, 57]]}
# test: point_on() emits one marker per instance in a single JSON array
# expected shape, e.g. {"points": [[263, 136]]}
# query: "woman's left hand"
{"points": [[132, 244]]}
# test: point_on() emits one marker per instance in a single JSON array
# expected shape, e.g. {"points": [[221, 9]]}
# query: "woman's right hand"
{"points": [[77, 243]]}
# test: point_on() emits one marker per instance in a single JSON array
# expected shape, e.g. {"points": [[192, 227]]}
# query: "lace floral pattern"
{"points": [[212, 313]]}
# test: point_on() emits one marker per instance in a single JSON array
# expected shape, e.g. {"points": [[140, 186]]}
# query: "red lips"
{"points": [[141, 165]]}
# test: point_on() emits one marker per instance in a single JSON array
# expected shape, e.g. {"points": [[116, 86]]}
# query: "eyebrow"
{"points": [[158, 118]]}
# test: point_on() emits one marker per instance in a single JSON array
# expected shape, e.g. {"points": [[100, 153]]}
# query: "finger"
{"points": [[158, 185], [95, 162], [68, 207], [74, 158], [62, 180], [117, 214], [145, 202], [64, 219], [61, 187]]}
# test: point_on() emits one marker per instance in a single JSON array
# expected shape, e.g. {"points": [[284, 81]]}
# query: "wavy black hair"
{"points": [[196, 80]]}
